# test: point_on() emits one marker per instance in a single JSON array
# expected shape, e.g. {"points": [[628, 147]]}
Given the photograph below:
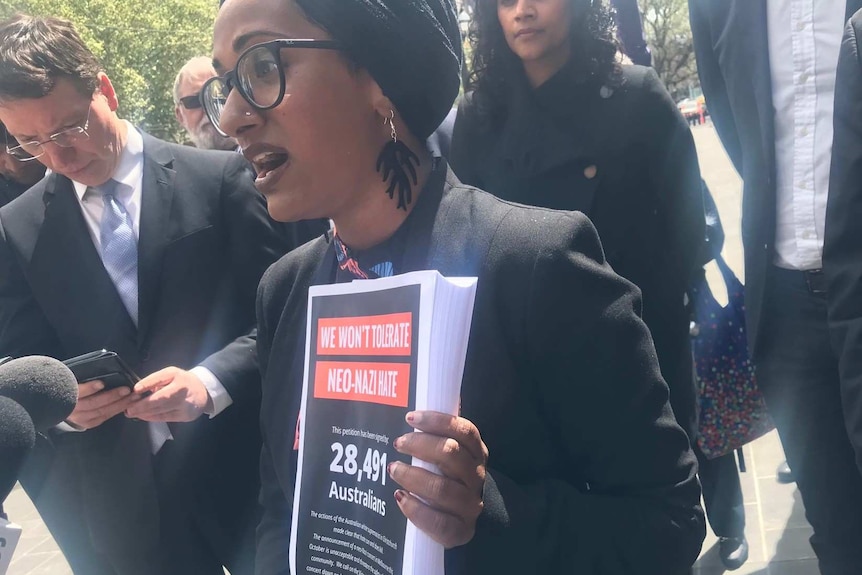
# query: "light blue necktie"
{"points": [[120, 256], [119, 247]]}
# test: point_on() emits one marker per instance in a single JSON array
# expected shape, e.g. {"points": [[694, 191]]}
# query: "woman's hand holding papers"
{"points": [[445, 506]]}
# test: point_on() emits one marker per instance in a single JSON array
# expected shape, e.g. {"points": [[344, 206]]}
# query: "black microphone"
{"points": [[43, 386], [36, 393], [17, 437]]}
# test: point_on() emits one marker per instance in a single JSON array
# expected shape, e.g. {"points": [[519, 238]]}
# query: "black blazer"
{"points": [[205, 240], [624, 157], [589, 472], [732, 48], [842, 252]]}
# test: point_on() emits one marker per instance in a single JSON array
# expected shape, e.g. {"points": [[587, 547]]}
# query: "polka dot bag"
{"points": [[731, 408]]}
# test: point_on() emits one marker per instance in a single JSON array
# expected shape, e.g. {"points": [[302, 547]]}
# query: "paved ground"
{"points": [[37, 554], [776, 527]]}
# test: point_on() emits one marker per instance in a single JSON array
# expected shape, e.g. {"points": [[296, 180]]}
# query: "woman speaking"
{"points": [[566, 457]]}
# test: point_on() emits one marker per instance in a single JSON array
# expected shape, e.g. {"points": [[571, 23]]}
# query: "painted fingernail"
{"points": [[412, 417], [399, 443], [391, 467], [399, 495]]}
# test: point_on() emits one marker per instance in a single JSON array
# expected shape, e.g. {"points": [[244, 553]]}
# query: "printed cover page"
{"points": [[361, 374]]}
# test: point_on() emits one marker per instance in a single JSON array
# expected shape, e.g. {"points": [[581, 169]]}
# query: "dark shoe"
{"points": [[733, 552], [784, 474]]}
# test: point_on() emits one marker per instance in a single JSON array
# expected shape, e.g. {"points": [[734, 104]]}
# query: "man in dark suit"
{"points": [[154, 251], [15, 176], [842, 260], [767, 68]]}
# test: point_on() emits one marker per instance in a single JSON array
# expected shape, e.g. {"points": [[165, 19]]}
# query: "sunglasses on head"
{"points": [[192, 102]]}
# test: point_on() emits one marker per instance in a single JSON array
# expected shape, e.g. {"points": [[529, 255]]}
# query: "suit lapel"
{"points": [[67, 272], [324, 274], [9, 190], [853, 6], [428, 210], [157, 194], [756, 20], [444, 236]]}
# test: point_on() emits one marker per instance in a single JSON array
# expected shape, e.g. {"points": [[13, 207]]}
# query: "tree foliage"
{"points": [[142, 45], [668, 34]]}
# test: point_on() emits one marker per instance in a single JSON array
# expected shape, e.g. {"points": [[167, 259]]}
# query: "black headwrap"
{"points": [[412, 48]]}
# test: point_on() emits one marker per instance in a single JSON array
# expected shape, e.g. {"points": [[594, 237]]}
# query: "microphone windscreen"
{"points": [[17, 437], [41, 385]]}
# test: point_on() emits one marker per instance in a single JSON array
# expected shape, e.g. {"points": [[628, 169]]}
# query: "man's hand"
{"points": [[95, 406], [453, 501], [175, 395]]}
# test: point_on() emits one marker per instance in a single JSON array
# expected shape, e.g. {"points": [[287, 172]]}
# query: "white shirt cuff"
{"points": [[66, 428], [218, 394]]}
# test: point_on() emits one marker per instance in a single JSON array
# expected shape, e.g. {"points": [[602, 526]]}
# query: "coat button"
{"points": [[590, 172], [606, 92]]}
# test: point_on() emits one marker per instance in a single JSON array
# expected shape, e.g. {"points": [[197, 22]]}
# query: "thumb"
{"points": [[156, 380]]}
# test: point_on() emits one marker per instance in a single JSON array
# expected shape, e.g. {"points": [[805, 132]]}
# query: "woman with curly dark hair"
{"points": [[581, 37], [552, 118]]}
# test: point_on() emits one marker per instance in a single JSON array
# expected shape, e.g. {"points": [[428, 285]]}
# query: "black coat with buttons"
{"points": [[626, 158]]}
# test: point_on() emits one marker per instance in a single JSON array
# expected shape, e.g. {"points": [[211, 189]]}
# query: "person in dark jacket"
{"points": [[554, 121], [566, 456], [568, 128], [631, 32], [842, 250], [153, 251], [15, 176], [769, 76]]}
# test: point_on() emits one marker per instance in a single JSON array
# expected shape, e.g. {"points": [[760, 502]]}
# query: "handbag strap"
{"points": [[731, 282]]}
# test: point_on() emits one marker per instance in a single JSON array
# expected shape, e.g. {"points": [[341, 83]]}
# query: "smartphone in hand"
{"points": [[104, 365]]}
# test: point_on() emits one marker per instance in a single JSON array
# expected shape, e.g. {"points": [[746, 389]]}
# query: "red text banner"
{"points": [[384, 383], [382, 335]]}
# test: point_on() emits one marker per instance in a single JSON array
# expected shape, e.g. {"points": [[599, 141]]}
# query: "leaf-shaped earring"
{"points": [[395, 165]]}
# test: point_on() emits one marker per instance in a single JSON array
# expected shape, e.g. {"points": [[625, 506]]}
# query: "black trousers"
{"points": [[798, 374], [722, 494]]}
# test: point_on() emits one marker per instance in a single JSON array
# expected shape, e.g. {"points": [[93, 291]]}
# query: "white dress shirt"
{"points": [[804, 43], [129, 178]]}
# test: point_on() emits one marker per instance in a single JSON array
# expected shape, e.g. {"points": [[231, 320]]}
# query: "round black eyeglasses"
{"points": [[258, 76]]}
